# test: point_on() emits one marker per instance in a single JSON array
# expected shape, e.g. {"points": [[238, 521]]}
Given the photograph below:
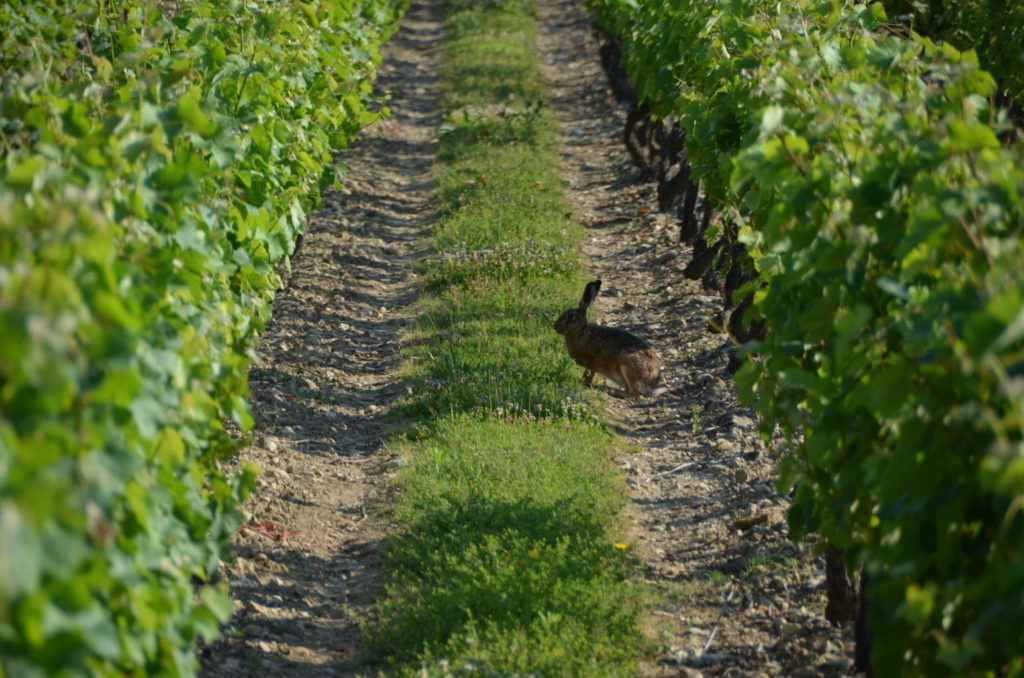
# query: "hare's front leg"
{"points": [[588, 377]]}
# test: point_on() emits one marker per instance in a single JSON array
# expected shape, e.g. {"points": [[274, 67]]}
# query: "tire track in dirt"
{"points": [[737, 598], [322, 387]]}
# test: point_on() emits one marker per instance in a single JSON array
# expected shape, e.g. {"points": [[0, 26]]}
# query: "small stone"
{"points": [[790, 630], [836, 666], [748, 521], [740, 421], [706, 660]]}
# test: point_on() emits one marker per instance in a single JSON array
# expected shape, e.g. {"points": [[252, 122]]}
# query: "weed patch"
{"points": [[507, 538]]}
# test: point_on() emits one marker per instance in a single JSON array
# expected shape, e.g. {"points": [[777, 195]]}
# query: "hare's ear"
{"points": [[590, 293]]}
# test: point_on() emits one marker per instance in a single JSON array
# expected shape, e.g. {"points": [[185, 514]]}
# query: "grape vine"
{"points": [[158, 162], [862, 168]]}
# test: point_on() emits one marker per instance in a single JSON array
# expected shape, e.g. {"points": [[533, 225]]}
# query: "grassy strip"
{"points": [[506, 562]]}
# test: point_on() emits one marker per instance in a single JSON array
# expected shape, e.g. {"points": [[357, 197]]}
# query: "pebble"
{"points": [[707, 659], [836, 666], [740, 421], [723, 445], [789, 630]]}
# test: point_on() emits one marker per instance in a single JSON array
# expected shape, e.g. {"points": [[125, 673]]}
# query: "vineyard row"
{"points": [[856, 194], [158, 163]]}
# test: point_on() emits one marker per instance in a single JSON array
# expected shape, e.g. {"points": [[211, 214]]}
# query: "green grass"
{"points": [[507, 542], [491, 351], [491, 54], [508, 558]]}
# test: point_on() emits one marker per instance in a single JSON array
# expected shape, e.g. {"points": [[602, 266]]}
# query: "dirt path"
{"points": [[741, 599], [738, 598], [322, 388]]}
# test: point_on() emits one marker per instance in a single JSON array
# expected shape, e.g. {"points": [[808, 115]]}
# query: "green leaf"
{"points": [[893, 287], [119, 387], [148, 414], [1013, 333], [112, 308], [190, 110], [771, 120], [218, 601], [885, 390], [21, 555], [169, 447], [24, 172], [965, 136], [798, 379]]}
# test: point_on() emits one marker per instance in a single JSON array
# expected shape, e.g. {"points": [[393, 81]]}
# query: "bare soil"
{"points": [[734, 597]]}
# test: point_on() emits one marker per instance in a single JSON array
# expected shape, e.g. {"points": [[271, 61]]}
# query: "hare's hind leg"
{"points": [[628, 379]]}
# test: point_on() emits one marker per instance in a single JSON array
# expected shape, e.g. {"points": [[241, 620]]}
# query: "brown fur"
{"points": [[624, 358]]}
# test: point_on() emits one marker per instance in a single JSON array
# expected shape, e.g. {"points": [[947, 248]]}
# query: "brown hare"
{"points": [[626, 359]]}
